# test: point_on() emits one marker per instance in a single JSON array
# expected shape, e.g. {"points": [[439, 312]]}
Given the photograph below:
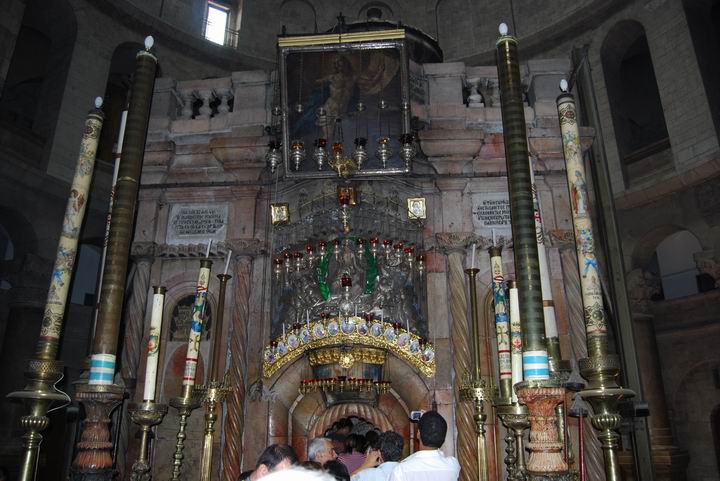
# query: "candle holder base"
{"points": [[541, 398], [39, 395], [514, 417], [212, 395], [93, 460], [146, 415], [185, 405]]}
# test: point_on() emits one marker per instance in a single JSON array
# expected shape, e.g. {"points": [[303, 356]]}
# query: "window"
{"points": [[216, 23]]}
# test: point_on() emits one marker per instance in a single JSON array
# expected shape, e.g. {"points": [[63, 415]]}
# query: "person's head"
{"points": [[312, 465], [276, 457], [432, 429], [344, 426], [320, 450], [371, 439], [355, 443], [390, 445], [337, 469]]}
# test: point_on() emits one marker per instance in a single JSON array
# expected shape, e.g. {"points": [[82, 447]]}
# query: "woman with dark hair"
{"points": [[354, 454]]}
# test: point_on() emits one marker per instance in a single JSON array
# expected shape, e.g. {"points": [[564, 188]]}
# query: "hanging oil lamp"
{"points": [[297, 153], [407, 149], [321, 154], [360, 154], [273, 155], [384, 152]]}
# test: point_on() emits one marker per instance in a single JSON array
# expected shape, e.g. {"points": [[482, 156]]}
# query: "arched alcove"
{"points": [[366, 12], [676, 264], [703, 18], [637, 112]]}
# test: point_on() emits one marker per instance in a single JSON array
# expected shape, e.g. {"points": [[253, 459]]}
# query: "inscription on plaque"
{"points": [[197, 222], [491, 210]]}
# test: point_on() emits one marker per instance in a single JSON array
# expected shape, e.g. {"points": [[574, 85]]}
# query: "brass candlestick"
{"points": [[473, 389], [213, 396], [215, 392], [515, 419], [146, 415], [185, 405]]}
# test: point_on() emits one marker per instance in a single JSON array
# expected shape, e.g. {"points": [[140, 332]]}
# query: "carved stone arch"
{"points": [[644, 247]]}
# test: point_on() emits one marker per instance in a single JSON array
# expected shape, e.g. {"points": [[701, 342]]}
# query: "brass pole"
{"points": [[473, 389], [600, 368], [45, 371], [216, 390]]}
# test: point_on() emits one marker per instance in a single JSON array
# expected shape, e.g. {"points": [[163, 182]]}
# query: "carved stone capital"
{"points": [[642, 286], [143, 251], [244, 247], [454, 242], [562, 238]]}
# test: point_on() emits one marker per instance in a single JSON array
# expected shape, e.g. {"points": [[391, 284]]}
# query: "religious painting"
{"points": [[181, 319], [343, 97]]}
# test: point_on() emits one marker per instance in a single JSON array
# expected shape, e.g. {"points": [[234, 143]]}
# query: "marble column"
{"points": [[454, 245], [237, 369], [669, 461]]}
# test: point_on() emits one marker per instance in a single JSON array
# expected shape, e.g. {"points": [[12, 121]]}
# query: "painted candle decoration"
{"points": [[515, 337], [153, 344], [502, 326], [551, 332], [193, 350], [594, 311], [67, 245]]}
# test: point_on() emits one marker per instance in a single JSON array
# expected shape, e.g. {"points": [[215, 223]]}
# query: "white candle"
{"points": [[307, 317], [382, 316], [283, 329], [407, 324], [493, 236], [472, 257], [515, 340], [153, 345], [355, 310], [227, 261], [207, 252]]}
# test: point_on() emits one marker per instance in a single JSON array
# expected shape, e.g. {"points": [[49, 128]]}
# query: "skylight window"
{"points": [[216, 26]]}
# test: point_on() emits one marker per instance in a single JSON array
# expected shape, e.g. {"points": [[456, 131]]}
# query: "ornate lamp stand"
{"points": [[474, 389], [146, 415], [212, 396], [185, 404]]}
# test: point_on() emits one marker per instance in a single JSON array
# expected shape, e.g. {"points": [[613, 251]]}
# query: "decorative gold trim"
{"points": [[282, 352], [335, 355], [337, 38]]}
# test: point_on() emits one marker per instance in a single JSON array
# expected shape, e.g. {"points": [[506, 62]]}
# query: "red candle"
{"points": [[309, 249], [346, 281]]}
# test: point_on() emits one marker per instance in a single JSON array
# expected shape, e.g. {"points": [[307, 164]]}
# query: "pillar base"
{"points": [[551, 477], [546, 456]]}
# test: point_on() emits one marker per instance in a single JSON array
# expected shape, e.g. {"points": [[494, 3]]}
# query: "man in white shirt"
{"points": [[380, 462], [429, 463]]}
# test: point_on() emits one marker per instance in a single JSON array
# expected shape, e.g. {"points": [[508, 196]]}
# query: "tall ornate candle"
{"points": [[594, 311], [525, 249], [112, 290], [600, 368], [502, 326], [193, 350], [551, 332], [68, 243], [515, 337], [153, 345]]}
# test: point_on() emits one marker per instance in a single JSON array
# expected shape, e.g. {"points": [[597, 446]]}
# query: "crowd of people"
{"points": [[352, 452]]}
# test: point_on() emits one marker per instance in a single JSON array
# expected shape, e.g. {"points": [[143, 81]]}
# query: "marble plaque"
{"points": [[196, 223], [491, 210]]}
